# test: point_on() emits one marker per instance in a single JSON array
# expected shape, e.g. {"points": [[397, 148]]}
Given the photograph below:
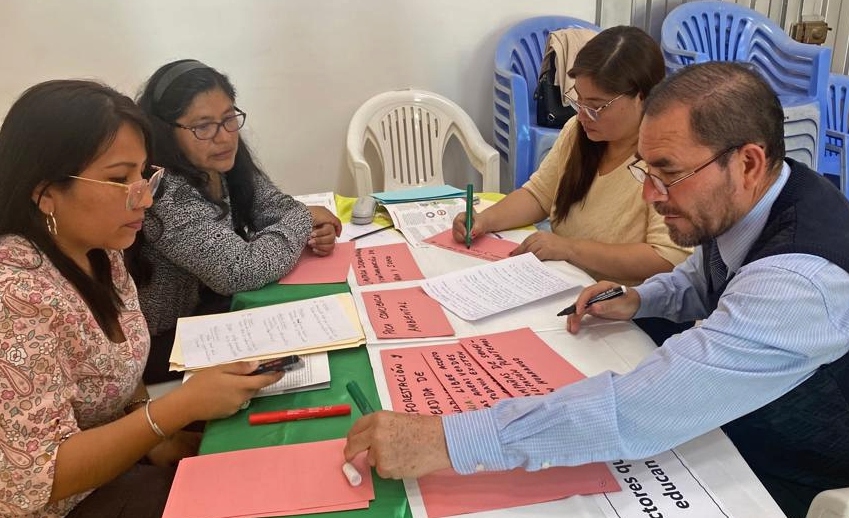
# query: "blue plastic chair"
{"points": [[696, 32], [517, 137], [835, 160]]}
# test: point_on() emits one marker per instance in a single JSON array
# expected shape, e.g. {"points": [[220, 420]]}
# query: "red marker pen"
{"points": [[296, 414]]}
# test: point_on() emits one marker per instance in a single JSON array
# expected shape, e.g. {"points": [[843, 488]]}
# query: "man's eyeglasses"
{"points": [[208, 130], [640, 174], [592, 113], [135, 190]]}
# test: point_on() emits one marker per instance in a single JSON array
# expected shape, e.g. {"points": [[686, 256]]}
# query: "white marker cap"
{"points": [[351, 473]]}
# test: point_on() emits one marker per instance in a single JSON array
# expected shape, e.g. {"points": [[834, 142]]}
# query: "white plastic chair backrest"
{"points": [[410, 130]]}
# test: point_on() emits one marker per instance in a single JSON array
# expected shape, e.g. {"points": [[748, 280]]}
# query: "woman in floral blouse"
{"points": [[75, 420]]}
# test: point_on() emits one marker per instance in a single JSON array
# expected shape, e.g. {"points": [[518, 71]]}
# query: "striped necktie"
{"points": [[718, 270]]}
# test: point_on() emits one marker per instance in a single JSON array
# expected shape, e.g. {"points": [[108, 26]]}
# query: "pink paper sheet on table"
{"points": [[474, 373], [405, 313], [483, 247], [313, 269], [275, 481], [386, 263]]}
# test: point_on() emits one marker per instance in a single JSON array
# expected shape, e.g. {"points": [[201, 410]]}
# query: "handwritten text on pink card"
{"points": [[434, 379], [463, 378], [405, 313], [483, 247], [521, 362], [386, 263]]}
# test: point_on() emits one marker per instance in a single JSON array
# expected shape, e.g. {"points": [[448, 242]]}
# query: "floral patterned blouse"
{"points": [[59, 373]]}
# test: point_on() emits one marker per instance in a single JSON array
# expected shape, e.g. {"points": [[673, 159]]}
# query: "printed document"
{"points": [[320, 199], [418, 221]]}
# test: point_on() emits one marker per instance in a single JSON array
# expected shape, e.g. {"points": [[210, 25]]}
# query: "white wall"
{"points": [[301, 67]]}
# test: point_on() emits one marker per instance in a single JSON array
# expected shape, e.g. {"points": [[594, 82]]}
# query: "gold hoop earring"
{"points": [[51, 224]]}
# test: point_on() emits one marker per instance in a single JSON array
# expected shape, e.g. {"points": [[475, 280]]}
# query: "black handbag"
{"points": [[550, 110]]}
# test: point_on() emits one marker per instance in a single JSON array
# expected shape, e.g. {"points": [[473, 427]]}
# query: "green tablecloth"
{"points": [[234, 433]]}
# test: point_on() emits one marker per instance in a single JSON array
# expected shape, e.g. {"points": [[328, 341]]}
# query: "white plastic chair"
{"points": [[410, 130], [833, 503]]}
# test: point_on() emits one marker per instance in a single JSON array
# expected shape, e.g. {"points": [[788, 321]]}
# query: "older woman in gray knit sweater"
{"points": [[219, 225]]}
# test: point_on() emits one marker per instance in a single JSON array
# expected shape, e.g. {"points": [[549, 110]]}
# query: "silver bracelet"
{"points": [[155, 427]]}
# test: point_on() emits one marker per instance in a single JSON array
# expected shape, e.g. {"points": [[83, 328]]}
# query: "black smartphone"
{"points": [[286, 363]]}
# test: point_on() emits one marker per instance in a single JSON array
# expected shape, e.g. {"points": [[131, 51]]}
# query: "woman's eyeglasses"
{"points": [[592, 113], [208, 130], [135, 190]]}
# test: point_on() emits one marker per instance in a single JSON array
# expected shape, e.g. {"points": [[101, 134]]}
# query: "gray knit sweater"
{"points": [[188, 247]]}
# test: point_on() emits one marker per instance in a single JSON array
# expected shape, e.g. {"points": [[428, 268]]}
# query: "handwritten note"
{"points": [[449, 378], [405, 313], [475, 293], [273, 481], [314, 269], [484, 247], [521, 362], [387, 263], [469, 385], [213, 339]]}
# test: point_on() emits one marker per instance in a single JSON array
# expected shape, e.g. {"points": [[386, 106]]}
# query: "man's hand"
{"points": [[619, 308], [399, 445]]}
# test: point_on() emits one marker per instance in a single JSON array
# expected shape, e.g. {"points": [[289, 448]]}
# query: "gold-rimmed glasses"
{"points": [[592, 113], [135, 190], [208, 130], [640, 174]]}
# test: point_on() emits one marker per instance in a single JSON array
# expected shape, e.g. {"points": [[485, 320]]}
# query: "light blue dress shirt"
{"points": [[779, 319]]}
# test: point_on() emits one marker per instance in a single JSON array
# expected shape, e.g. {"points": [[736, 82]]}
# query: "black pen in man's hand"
{"points": [[604, 295]]}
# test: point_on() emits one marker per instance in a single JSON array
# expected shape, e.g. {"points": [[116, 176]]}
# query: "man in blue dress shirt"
{"points": [[769, 279]]}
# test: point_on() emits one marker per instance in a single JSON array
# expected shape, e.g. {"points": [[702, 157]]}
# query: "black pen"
{"points": [[372, 232], [604, 295]]}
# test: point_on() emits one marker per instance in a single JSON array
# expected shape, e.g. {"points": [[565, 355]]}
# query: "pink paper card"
{"points": [[428, 379], [483, 247], [312, 269], [521, 362], [445, 493], [405, 313], [413, 387], [386, 263], [463, 378], [275, 481]]}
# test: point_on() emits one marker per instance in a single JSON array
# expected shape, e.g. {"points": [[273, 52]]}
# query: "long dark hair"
{"points": [[165, 97], [54, 130], [619, 60]]}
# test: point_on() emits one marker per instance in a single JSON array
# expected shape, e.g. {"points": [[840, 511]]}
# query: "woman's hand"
{"points": [[220, 391], [179, 446], [546, 246], [458, 230], [325, 229]]}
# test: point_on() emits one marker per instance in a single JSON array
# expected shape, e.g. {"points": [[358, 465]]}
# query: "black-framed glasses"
{"points": [[208, 130], [135, 190], [640, 174], [592, 113]]}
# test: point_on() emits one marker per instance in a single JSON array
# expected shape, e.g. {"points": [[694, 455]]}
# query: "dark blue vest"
{"points": [[803, 436]]}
